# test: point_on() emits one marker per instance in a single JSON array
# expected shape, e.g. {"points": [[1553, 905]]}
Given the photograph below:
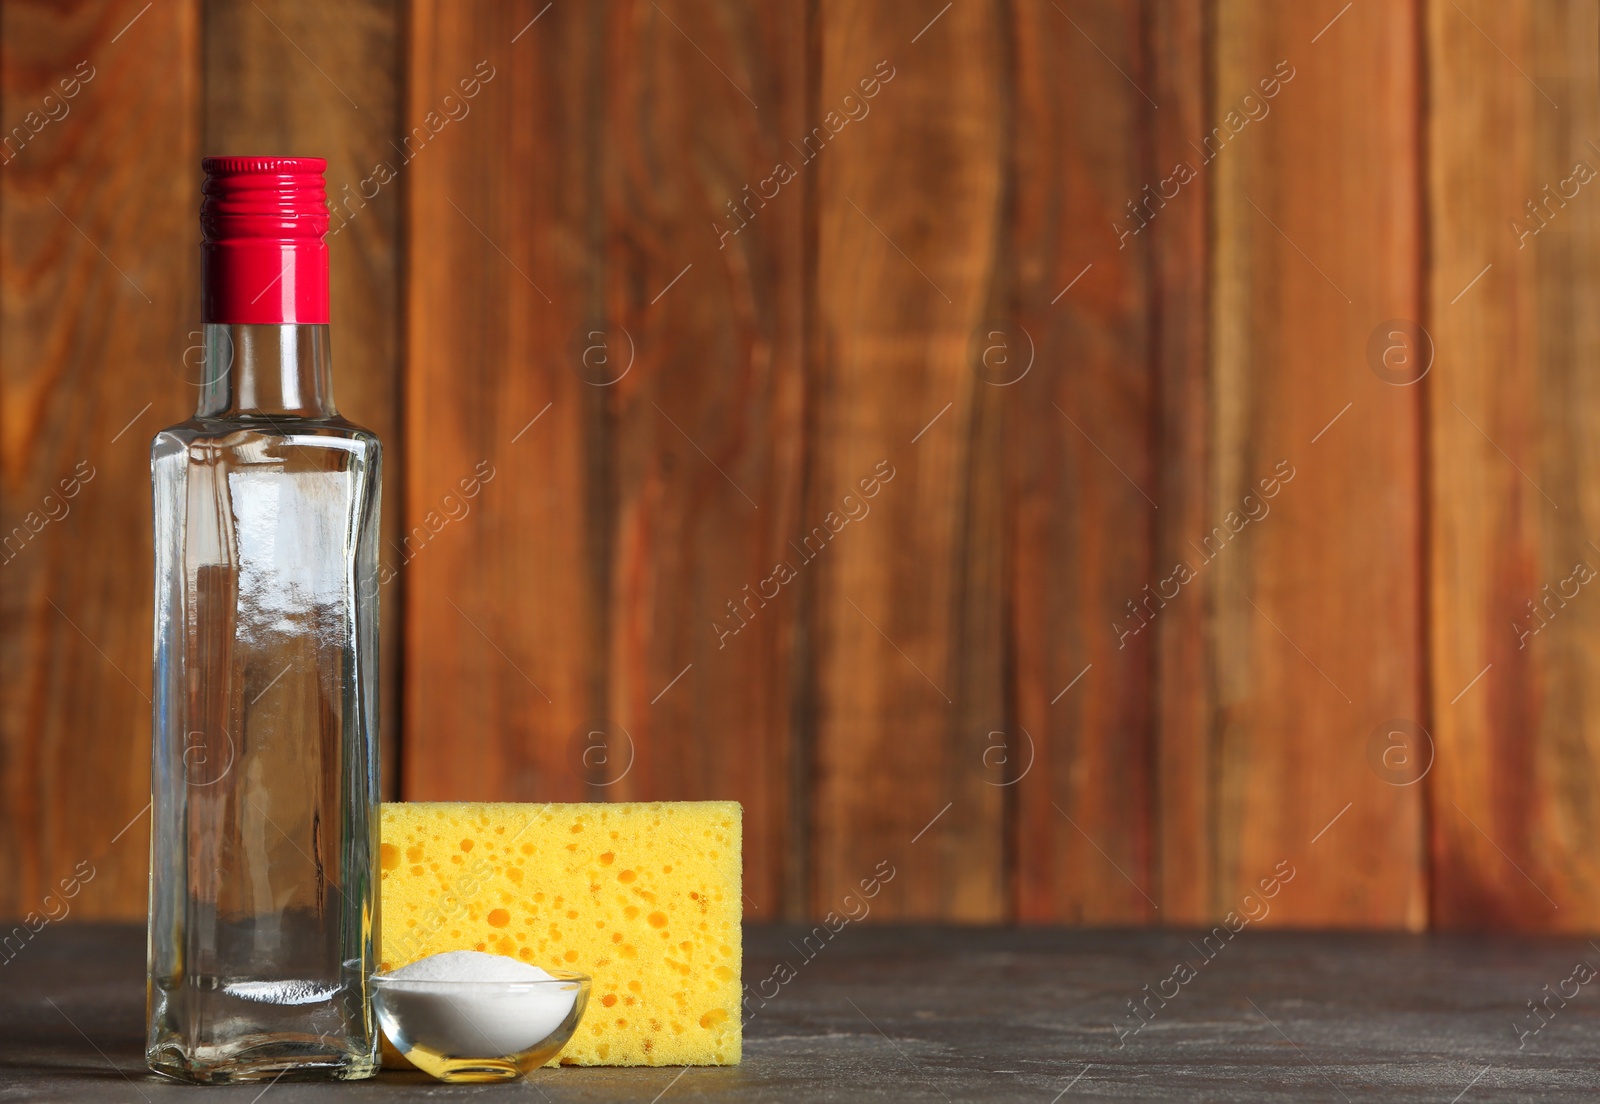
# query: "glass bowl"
{"points": [[480, 1030]]}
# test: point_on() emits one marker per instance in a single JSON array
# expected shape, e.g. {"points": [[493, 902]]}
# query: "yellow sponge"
{"points": [[645, 898]]}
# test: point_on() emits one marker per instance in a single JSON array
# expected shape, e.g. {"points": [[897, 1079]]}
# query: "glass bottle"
{"points": [[264, 780]]}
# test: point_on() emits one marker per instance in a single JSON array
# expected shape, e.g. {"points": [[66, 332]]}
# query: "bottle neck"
{"points": [[266, 371]]}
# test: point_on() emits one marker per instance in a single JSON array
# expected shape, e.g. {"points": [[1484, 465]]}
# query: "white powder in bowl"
{"points": [[469, 1004], [469, 966]]}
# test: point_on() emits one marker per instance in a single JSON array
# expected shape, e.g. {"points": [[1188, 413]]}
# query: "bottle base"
{"points": [[268, 1063]]}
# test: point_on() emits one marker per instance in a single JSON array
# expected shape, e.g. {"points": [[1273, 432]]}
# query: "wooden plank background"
{"points": [[1318, 638], [1514, 463], [1082, 454]]}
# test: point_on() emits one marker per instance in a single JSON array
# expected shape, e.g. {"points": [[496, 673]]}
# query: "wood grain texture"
{"points": [[505, 660], [703, 269], [648, 300], [1079, 432], [1516, 467], [1355, 1006], [908, 206], [1177, 37], [93, 196], [684, 444], [1318, 593], [265, 95]]}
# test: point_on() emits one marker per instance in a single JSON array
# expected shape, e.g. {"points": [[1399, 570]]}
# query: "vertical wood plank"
{"points": [[1319, 593], [1081, 471], [703, 433], [1177, 42], [100, 275], [504, 663], [908, 208], [1514, 183], [264, 95]]}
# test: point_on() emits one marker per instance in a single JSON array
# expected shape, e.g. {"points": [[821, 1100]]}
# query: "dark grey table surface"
{"points": [[948, 1014]]}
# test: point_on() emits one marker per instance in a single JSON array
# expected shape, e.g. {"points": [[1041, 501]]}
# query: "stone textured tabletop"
{"points": [[948, 1014]]}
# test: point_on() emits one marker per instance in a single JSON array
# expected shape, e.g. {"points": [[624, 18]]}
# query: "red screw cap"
{"points": [[263, 257]]}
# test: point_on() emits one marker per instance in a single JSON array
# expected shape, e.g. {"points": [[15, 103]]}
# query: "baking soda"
{"points": [[473, 1004], [469, 966]]}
